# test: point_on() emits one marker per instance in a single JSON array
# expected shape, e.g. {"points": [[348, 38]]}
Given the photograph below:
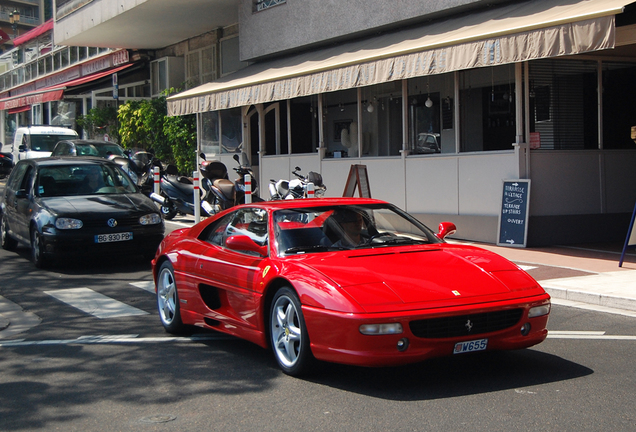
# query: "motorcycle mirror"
{"points": [[236, 158], [297, 169], [202, 156]]}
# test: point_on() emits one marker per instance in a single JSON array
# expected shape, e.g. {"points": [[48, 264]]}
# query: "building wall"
{"points": [[298, 24]]}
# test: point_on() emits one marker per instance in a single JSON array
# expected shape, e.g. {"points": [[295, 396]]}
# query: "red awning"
{"points": [[53, 93], [29, 99], [20, 109], [4, 36], [95, 76], [32, 34]]}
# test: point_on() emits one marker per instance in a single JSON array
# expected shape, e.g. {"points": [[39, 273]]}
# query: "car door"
{"points": [[24, 197], [16, 198], [235, 276]]}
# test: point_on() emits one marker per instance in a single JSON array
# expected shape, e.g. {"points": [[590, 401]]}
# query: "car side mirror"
{"points": [[446, 229], [244, 243], [21, 193], [22, 147]]}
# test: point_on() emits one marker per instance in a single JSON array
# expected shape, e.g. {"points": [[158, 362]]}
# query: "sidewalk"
{"points": [[599, 281]]}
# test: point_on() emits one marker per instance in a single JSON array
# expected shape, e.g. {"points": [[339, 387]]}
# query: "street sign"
{"points": [[513, 216], [115, 87]]}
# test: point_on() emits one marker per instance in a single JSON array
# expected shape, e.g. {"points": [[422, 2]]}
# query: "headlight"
{"points": [[150, 219], [68, 223], [538, 311], [381, 329]]}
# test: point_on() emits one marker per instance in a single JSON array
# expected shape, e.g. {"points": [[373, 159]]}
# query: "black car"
{"points": [[64, 206], [6, 164], [103, 149]]}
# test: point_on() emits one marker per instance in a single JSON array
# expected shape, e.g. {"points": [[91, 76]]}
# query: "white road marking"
{"points": [[94, 303], [116, 339], [145, 285], [598, 335]]}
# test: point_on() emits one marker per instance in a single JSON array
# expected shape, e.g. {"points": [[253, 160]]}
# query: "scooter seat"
{"points": [[226, 187]]}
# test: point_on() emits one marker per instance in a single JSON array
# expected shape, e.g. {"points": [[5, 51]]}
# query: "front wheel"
{"points": [[288, 334], [8, 243], [37, 253], [168, 210], [168, 299]]}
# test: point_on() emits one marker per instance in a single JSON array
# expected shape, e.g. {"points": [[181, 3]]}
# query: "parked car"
{"points": [[96, 148], [103, 149], [347, 280], [427, 143], [76, 206], [6, 163], [31, 142]]}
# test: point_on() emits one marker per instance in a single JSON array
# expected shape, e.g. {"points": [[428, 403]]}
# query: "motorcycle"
{"points": [[296, 188], [139, 166], [225, 193], [177, 194]]}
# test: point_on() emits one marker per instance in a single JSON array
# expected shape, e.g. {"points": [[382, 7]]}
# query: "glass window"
{"points": [[210, 133], [251, 222], [304, 124], [276, 139], [487, 108], [340, 123], [564, 104], [332, 228], [381, 120], [619, 112], [231, 130]]}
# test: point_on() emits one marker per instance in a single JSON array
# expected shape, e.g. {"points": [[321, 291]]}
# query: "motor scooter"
{"points": [[296, 188], [177, 194], [225, 193]]}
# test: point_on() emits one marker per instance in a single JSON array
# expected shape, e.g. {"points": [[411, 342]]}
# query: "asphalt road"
{"points": [[77, 371]]}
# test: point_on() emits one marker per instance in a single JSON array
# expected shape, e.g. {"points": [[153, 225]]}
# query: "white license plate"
{"points": [[116, 237], [470, 346]]}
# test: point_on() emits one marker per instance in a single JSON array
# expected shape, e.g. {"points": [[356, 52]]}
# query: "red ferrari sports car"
{"points": [[347, 280]]}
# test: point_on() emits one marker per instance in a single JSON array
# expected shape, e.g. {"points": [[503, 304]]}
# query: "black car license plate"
{"points": [[115, 237]]}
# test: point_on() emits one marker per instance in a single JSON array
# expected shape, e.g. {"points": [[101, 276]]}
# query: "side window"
{"points": [[214, 233], [251, 222], [16, 176], [27, 180]]}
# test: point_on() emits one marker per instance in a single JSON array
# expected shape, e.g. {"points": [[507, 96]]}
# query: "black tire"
{"points": [[288, 334], [38, 256], [169, 211], [168, 300], [8, 242]]}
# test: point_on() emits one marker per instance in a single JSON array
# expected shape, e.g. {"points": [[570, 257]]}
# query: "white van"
{"points": [[38, 141]]}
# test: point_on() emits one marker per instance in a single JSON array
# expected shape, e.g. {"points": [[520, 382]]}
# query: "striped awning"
{"points": [[509, 34]]}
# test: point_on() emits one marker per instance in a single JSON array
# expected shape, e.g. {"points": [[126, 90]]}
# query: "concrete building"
{"points": [[441, 100]]}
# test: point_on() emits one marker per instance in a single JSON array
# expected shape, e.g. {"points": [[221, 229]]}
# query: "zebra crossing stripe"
{"points": [[145, 285], [94, 303]]}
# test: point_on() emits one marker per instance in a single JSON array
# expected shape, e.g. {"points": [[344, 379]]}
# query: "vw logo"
{"points": [[112, 223], [468, 325]]}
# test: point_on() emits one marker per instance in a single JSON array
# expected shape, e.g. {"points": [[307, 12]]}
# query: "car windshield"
{"points": [[105, 150], [45, 143], [84, 179], [324, 229]]}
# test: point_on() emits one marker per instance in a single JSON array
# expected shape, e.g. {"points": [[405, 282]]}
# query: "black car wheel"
{"points": [[168, 299], [288, 334], [37, 254], [8, 243]]}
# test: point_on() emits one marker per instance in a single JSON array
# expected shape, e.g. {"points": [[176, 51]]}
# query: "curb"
{"points": [[604, 300]]}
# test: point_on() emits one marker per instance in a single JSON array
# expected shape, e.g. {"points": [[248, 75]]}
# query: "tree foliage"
{"points": [[145, 125], [100, 121]]}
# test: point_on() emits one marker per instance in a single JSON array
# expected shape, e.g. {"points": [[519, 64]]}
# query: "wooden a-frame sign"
{"points": [[358, 178]]}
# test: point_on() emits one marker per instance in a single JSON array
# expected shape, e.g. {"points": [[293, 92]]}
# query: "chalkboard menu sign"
{"points": [[513, 217]]}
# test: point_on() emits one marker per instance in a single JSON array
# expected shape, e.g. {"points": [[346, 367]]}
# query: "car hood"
{"points": [[437, 275], [94, 204]]}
